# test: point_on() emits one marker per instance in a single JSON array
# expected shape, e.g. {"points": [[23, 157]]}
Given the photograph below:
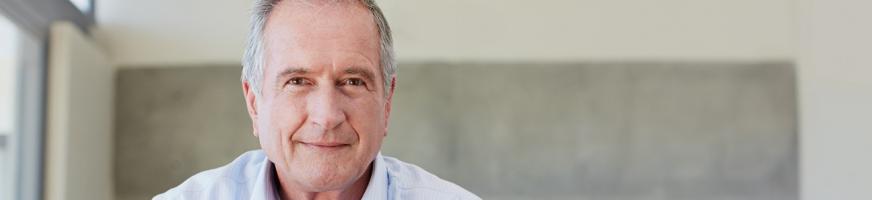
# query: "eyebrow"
{"points": [[290, 71], [367, 74]]}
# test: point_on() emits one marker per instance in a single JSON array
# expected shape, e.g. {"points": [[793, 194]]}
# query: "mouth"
{"points": [[325, 145]]}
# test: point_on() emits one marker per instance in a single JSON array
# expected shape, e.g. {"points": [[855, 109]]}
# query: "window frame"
{"points": [[36, 16]]}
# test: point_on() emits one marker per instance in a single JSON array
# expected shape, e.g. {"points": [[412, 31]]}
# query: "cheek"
{"points": [[367, 118], [277, 127], [286, 118]]}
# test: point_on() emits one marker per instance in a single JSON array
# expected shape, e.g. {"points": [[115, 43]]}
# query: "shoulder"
{"points": [[227, 182], [408, 181]]}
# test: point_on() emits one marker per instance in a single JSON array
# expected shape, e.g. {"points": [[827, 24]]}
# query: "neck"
{"points": [[288, 191]]}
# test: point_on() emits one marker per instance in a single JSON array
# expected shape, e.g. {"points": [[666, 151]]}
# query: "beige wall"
{"points": [[78, 140], [836, 99], [831, 44], [159, 32]]}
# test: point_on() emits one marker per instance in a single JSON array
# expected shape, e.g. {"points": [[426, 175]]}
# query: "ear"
{"points": [[251, 105], [388, 101]]}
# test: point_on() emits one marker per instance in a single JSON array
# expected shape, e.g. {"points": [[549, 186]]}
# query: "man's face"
{"points": [[323, 113]]}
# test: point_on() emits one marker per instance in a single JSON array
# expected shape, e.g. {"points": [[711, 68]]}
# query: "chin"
{"points": [[327, 178]]}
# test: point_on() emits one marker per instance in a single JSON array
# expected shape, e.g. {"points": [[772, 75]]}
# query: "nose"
{"points": [[325, 109]]}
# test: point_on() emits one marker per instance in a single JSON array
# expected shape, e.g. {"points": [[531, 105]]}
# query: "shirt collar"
{"points": [[378, 182], [264, 188]]}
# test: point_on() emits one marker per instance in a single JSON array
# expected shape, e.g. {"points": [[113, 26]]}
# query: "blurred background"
{"points": [[552, 99]]}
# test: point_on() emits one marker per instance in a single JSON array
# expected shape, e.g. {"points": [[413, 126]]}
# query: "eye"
{"points": [[297, 81], [354, 82]]}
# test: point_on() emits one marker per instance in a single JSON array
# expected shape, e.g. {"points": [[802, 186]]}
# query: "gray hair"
{"points": [[253, 59]]}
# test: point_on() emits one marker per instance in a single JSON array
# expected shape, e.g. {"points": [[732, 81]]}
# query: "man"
{"points": [[318, 77]]}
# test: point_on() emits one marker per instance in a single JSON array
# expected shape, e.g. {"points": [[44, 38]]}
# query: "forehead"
{"points": [[322, 15], [306, 34]]}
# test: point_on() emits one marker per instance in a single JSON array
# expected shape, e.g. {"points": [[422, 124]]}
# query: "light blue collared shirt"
{"points": [[250, 176]]}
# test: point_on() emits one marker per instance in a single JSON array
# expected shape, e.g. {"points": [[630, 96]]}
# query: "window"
{"points": [[9, 87]]}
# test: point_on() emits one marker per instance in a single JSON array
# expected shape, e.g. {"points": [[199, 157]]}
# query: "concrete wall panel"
{"points": [[510, 131]]}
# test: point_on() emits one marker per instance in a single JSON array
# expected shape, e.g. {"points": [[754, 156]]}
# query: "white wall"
{"points": [[836, 99], [168, 32]]}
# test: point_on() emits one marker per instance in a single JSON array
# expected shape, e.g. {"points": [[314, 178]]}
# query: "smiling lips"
{"points": [[325, 145]]}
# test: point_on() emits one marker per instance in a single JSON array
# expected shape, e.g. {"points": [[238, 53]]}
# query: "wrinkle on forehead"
{"points": [[320, 4]]}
